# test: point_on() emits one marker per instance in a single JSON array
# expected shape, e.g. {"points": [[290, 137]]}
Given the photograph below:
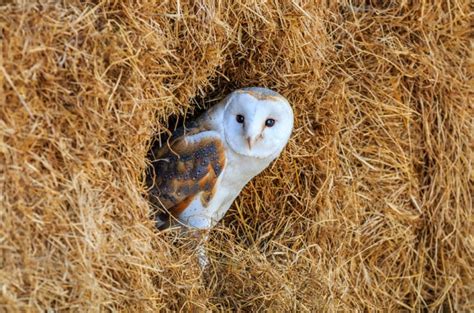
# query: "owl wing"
{"points": [[186, 168]]}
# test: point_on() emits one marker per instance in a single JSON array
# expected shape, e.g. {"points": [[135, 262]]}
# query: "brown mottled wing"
{"points": [[188, 167]]}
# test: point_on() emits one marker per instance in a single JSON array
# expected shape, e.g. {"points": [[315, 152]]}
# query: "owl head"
{"points": [[257, 122]]}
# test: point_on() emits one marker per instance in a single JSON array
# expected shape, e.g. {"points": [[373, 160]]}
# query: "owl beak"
{"points": [[250, 142]]}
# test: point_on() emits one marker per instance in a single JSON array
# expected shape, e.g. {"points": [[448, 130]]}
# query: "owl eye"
{"points": [[269, 122], [240, 118]]}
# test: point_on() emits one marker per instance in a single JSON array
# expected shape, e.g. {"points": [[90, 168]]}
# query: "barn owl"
{"points": [[202, 169]]}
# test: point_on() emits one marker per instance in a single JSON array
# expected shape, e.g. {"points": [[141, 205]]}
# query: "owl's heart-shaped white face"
{"points": [[257, 122]]}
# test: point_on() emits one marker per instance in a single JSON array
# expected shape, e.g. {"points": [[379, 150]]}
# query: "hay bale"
{"points": [[369, 207]]}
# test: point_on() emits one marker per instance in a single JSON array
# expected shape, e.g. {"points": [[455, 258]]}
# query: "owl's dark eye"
{"points": [[269, 122], [240, 118]]}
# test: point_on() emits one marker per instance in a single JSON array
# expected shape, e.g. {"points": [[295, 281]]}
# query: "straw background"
{"points": [[368, 208]]}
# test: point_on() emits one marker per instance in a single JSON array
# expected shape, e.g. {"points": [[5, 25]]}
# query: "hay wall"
{"points": [[369, 207]]}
